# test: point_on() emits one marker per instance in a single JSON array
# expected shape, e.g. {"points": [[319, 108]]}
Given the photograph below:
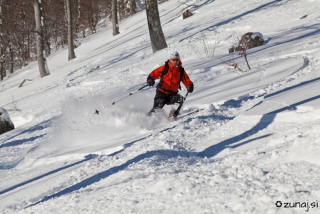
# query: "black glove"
{"points": [[150, 81], [190, 88]]}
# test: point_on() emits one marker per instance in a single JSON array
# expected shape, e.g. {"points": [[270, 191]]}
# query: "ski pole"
{"points": [[98, 111], [186, 96]]}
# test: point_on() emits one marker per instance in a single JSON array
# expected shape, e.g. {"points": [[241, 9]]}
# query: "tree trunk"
{"points": [[158, 41], [70, 31], [46, 38], [48, 45], [132, 7], [43, 68], [11, 59], [114, 18], [1, 63], [28, 51], [1, 45]]}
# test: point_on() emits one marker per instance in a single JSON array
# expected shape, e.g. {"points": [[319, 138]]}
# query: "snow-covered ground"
{"points": [[246, 141]]}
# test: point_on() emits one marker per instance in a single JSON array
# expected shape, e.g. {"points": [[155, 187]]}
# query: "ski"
{"points": [[182, 116]]}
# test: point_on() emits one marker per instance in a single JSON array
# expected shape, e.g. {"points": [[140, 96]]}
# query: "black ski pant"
{"points": [[162, 99]]}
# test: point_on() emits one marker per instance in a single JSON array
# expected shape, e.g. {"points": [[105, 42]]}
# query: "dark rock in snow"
{"points": [[248, 41], [186, 14], [5, 122]]}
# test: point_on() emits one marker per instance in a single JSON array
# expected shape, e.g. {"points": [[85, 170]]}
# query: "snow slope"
{"points": [[246, 140]]}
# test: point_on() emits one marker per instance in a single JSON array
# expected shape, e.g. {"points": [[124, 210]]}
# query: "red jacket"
{"points": [[171, 80]]}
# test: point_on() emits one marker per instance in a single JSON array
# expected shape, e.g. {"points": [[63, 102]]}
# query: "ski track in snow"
{"points": [[247, 140]]}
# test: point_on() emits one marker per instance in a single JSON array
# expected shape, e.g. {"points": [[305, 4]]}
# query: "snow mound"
{"points": [[4, 116]]}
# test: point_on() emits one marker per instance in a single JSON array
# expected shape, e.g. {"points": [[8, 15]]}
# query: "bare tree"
{"points": [[114, 15], [76, 18], [21, 34], [158, 41], [1, 48], [43, 68], [70, 32], [243, 46], [133, 6]]}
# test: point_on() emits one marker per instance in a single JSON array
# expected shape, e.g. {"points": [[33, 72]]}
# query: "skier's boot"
{"points": [[171, 112], [154, 111], [173, 109], [175, 114], [151, 112]]}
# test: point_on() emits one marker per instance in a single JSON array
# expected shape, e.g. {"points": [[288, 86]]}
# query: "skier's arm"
{"points": [[156, 73], [186, 80]]}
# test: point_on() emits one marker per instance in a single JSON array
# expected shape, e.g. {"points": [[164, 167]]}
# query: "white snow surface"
{"points": [[246, 141]]}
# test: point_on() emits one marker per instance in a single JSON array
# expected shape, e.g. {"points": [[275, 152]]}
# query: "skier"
{"points": [[171, 74]]}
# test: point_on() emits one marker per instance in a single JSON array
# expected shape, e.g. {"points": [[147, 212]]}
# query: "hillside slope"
{"points": [[245, 141]]}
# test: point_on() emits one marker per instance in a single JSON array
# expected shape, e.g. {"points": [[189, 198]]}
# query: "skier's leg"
{"points": [[177, 98], [174, 101], [159, 101]]}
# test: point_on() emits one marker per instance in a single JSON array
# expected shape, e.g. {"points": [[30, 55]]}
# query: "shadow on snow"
{"points": [[209, 152], [232, 19], [86, 158], [89, 157]]}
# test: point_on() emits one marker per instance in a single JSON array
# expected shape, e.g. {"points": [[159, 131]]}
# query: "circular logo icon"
{"points": [[278, 203]]}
